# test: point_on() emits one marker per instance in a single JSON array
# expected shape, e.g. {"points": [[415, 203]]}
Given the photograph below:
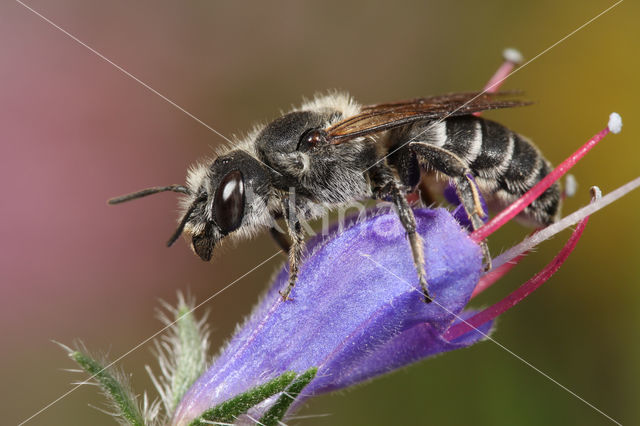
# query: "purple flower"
{"points": [[357, 313], [349, 317]]}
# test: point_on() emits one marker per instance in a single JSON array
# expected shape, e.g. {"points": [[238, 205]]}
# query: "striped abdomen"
{"points": [[504, 163]]}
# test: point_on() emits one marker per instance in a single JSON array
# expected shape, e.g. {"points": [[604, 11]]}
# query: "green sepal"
{"points": [[279, 409], [227, 411], [115, 389]]}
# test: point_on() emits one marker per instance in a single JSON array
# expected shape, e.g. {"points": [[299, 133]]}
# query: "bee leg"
{"points": [[469, 196], [386, 187], [278, 234], [446, 162], [280, 239], [295, 250]]}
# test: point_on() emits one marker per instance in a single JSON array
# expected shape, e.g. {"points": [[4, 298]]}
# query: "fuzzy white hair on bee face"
{"points": [[225, 197]]}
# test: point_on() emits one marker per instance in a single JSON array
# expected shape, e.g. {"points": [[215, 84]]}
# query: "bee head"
{"points": [[224, 197]]}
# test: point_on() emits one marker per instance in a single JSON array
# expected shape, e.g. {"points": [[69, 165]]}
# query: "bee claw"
{"points": [[285, 295], [425, 292]]}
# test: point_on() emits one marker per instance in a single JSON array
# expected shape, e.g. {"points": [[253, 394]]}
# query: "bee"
{"points": [[332, 151]]}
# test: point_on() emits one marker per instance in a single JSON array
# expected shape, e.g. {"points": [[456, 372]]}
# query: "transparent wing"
{"points": [[380, 117]]}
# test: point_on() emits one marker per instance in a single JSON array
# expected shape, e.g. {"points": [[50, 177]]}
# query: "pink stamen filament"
{"points": [[493, 85], [498, 78], [545, 233], [517, 206], [494, 275], [522, 292], [499, 271]]}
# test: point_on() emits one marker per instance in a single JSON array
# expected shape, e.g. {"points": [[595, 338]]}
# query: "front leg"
{"points": [[278, 235], [280, 239], [296, 248], [385, 186]]}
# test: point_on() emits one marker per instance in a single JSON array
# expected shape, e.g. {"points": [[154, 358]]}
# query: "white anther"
{"points": [[570, 185], [512, 55], [615, 123]]}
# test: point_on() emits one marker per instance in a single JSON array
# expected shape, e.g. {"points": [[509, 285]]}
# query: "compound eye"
{"points": [[228, 202], [311, 138]]}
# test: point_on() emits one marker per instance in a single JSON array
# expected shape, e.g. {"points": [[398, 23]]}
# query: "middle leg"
{"points": [[385, 186]]}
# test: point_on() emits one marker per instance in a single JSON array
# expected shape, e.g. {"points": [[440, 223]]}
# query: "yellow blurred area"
{"points": [[75, 131]]}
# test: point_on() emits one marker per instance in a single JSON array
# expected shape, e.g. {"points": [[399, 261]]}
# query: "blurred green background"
{"points": [[74, 131]]}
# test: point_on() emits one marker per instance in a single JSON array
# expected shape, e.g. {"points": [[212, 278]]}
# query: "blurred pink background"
{"points": [[75, 131]]}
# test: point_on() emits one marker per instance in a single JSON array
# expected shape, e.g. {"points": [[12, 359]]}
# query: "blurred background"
{"points": [[75, 130]]}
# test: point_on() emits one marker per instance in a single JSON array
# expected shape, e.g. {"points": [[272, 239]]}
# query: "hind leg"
{"points": [[445, 162]]}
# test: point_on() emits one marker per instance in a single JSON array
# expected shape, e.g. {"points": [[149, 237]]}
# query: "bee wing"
{"points": [[380, 117]]}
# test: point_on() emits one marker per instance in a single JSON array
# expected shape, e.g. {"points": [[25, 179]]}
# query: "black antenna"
{"points": [[148, 191], [184, 220]]}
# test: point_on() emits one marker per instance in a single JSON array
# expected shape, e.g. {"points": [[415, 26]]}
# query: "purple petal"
{"points": [[350, 316]]}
